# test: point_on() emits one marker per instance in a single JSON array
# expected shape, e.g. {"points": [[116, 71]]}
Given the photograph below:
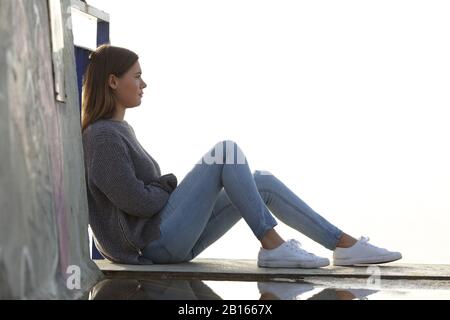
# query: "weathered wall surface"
{"points": [[43, 206]]}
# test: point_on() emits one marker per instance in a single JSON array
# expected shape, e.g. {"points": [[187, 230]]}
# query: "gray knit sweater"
{"points": [[123, 205]]}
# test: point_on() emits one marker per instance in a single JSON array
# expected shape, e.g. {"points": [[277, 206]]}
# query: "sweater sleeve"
{"points": [[112, 171]]}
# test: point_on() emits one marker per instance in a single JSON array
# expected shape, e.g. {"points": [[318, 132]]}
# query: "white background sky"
{"points": [[346, 102]]}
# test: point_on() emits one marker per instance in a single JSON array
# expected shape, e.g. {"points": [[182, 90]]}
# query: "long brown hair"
{"points": [[98, 101]]}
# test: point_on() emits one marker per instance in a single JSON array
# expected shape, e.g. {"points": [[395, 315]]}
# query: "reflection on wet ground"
{"points": [[125, 289], [329, 289]]}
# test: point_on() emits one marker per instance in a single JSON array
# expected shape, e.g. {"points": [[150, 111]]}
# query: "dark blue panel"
{"points": [[102, 33], [102, 38], [95, 254], [82, 60]]}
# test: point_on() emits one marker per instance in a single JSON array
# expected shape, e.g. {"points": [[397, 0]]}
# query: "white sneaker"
{"points": [[362, 252], [290, 255], [283, 290]]}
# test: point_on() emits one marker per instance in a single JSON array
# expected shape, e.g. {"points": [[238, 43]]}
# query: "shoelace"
{"points": [[364, 240], [297, 246]]}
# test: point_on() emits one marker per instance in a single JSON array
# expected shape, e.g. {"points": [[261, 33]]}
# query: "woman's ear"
{"points": [[112, 81]]}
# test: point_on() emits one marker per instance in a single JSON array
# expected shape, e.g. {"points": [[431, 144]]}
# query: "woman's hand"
{"points": [[167, 182]]}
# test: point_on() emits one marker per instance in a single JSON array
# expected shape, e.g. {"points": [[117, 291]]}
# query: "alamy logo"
{"points": [[69, 19], [74, 279], [374, 280], [218, 154]]}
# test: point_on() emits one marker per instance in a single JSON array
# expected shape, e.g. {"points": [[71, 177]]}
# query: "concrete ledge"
{"points": [[247, 270]]}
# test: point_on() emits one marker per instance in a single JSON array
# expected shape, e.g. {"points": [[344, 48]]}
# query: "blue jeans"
{"points": [[216, 194]]}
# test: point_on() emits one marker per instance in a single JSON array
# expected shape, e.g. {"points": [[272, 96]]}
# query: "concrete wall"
{"points": [[43, 205]]}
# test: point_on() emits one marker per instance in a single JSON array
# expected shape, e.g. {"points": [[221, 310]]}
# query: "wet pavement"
{"points": [[218, 279], [313, 289]]}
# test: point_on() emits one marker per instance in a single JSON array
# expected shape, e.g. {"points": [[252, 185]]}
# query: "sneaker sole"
{"points": [[291, 264], [370, 260]]}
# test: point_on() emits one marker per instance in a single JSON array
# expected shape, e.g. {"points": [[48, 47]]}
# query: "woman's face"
{"points": [[129, 88]]}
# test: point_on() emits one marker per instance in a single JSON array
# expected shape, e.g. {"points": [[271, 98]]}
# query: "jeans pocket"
{"points": [[158, 254]]}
